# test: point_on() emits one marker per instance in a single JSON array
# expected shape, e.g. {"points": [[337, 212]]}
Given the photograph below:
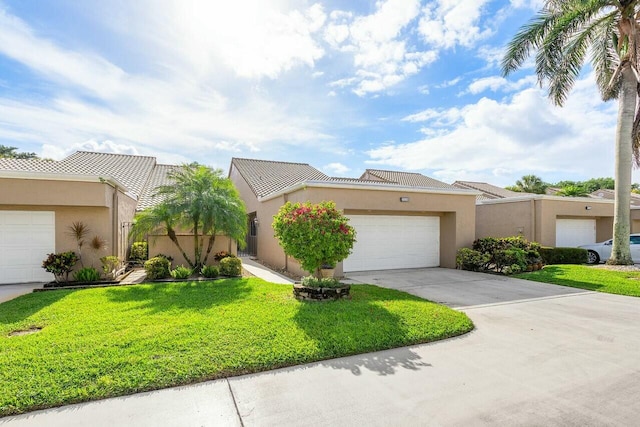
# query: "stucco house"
{"points": [[41, 199], [402, 220]]}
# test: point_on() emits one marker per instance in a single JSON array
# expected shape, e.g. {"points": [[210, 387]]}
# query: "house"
{"points": [[402, 220], [41, 199], [487, 191]]}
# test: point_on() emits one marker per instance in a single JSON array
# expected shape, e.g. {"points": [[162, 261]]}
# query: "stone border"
{"points": [[306, 293]]}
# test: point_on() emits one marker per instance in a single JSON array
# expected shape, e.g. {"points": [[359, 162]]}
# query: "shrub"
{"points": [[86, 274], [110, 265], [157, 268], [60, 264], [324, 282], [210, 271], [514, 258], [314, 234], [231, 266], [139, 251], [181, 272], [218, 256], [563, 255], [469, 259]]}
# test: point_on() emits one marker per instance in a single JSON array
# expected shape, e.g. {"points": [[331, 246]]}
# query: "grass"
{"points": [[590, 278], [104, 342]]}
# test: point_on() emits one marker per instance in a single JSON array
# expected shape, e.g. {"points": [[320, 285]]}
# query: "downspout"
{"points": [[533, 220]]}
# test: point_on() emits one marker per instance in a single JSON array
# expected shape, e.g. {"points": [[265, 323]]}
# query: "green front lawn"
{"points": [[112, 341], [591, 278]]}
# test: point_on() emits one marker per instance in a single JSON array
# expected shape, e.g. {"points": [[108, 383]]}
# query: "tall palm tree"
{"points": [[201, 200], [562, 34], [531, 184]]}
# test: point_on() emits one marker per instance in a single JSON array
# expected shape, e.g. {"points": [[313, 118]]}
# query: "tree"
{"points": [[201, 200], [562, 34], [10, 152], [573, 191], [529, 184]]}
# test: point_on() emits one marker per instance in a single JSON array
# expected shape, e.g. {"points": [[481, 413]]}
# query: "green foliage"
{"points": [[139, 251], [181, 272], [530, 184], [60, 264], [514, 258], [10, 152], [110, 265], [589, 185], [157, 268], [86, 274], [573, 191], [210, 271], [563, 255], [185, 332], [472, 260], [200, 199], [231, 266], [221, 255], [314, 234], [322, 282]]}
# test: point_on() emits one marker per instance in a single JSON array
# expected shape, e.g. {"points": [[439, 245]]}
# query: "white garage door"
{"points": [[391, 242], [575, 232], [25, 240]]}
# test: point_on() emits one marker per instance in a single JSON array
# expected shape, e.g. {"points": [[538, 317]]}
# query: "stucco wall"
{"points": [[40, 192], [506, 219]]}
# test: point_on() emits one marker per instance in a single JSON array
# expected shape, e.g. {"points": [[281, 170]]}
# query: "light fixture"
{"points": [[404, 199], [588, 208], [255, 221]]}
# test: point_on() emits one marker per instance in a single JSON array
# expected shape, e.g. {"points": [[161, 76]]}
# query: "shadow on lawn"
{"points": [[339, 330], [24, 306], [550, 273], [182, 295]]}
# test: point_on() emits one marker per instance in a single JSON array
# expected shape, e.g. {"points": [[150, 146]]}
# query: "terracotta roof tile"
{"points": [[488, 191], [410, 179]]}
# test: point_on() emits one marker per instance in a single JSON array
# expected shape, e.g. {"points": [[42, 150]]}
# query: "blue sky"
{"points": [[344, 86]]}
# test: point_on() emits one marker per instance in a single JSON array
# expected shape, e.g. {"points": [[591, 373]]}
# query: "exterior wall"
{"points": [[535, 219], [38, 192], [126, 212], [164, 245]]}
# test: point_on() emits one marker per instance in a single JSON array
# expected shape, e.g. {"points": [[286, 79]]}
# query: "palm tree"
{"points": [[10, 152], [201, 200], [530, 184], [573, 191], [562, 34]]}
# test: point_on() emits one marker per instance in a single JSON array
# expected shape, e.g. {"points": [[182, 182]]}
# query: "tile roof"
{"points": [[266, 177], [604, 193], [410, 179], [158, 177], [488, 191], [31, 165], [132, 171]]}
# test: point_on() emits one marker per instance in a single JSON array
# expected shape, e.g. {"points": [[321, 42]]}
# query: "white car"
{"points": [[600, 252]]}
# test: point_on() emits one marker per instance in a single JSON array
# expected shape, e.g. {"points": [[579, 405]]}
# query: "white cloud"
{"points": [[491, 54], [336, 168], [57, 152], [449, 23], [523, 134], [449, 83], [497, 83], [378, 44], [529, 4]]}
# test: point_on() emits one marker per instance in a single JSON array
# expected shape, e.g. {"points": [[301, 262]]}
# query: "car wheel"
{"points": [[593, 257]]}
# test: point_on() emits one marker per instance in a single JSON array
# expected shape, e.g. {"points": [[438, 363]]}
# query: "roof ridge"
{"points": [[270, 161], [111, 154], [386, 170]]}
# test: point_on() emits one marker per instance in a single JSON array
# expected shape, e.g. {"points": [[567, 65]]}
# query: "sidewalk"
{"points": [[263, 272]]}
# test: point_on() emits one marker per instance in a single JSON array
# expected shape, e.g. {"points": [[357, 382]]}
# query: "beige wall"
{"points": [[38, 192], [536, 219], [164, 245]]}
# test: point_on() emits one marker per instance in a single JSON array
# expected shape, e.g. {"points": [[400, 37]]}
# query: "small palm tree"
{"points": [[573, 191], [530, 184], [562, 34], [200, 200]]}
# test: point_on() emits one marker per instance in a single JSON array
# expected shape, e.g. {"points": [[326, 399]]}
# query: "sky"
{"points": [[344, 86]]}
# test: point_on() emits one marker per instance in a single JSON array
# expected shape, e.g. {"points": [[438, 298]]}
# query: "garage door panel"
{"points": [[392, 242], [575, 232], [25, 240]]}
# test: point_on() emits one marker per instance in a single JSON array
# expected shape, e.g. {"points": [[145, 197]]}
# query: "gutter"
{"points": [[366, 186], [544, 197]]}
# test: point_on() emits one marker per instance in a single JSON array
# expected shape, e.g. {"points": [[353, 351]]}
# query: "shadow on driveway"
{"points": [[459, 288]]}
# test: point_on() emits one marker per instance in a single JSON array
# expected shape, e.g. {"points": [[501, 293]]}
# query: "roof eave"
{"points": [[64, 177]]}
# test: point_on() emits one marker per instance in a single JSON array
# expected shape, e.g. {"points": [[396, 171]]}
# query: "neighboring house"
{"points": [[40, 199], [488, 191], [402, 220], [606, 194]]}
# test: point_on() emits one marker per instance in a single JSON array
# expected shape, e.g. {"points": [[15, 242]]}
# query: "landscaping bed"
{"points": [[76, 345]]}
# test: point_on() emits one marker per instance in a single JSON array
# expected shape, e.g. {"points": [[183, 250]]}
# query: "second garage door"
{"points": [[575, 232], [386, 242]]}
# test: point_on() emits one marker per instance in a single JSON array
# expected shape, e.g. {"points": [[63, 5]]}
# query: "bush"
{"points": [[139, 251], [168, 257], [181, 272], [60, 264], [324, 282], [110, 265], [231, 266], [219, 256], [472, 260], [157, 268], [514, 258], [86, 274], [210, 271], [314, 234], [563, 255]]}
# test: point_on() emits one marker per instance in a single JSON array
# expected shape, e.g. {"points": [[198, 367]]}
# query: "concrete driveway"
{"points": [[540, 355], [9, 292]]}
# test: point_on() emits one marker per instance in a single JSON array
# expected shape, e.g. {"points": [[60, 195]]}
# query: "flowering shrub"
{"points": [[60, 264], [316, 235]]}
